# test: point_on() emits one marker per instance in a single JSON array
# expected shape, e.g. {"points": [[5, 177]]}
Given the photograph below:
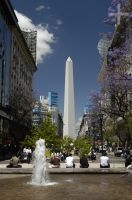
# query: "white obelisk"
{"points": [[69, 106]]}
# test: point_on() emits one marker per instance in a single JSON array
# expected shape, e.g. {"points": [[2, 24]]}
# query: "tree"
{"points": [[98, 114], [47, 131], [117, 80], [67, 143], [83, 145]]}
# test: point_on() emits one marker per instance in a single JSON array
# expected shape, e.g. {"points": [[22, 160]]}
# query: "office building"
{"points": [[17, 68]]}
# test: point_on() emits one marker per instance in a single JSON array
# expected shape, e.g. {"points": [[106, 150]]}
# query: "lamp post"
{"points": [[101, 130]]}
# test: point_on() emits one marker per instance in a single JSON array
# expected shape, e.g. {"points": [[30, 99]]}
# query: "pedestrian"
{"points": [[104, 161], [84, 162], [29, 155], [70, 161]]}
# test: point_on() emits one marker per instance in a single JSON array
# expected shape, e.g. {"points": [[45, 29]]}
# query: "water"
{"points": [[40, 174], [70, 186]]}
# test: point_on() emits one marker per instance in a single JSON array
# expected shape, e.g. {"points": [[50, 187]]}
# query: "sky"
{"points": [[65, 28]]}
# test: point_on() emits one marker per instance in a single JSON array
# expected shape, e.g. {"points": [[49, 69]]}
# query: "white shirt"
{"points": [[104, 161], [69, 161], [28, 151]]}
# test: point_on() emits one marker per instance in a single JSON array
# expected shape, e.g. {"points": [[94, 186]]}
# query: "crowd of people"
{"points": [[104, 159], [68, 159], [24, 155]]}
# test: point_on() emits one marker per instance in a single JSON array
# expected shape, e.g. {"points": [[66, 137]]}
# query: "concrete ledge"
{"points": [[15, 171], [87, 171], [66, 171]]}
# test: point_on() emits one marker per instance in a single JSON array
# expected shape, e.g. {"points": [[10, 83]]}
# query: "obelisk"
{"points": [[69, 106]]}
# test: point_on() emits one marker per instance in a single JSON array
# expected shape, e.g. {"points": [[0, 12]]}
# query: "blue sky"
{"points": [[66, 28]]}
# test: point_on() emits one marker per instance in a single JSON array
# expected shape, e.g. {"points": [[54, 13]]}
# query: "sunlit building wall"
{"points": [[17, 68]]}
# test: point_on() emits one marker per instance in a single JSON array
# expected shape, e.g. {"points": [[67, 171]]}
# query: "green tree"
{"points": [[67, 143], [83, 145], [47, 131], [124, 131]]}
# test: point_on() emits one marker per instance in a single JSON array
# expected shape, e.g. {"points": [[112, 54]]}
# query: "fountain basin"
{"points": [[70, 186], [66, 171]]}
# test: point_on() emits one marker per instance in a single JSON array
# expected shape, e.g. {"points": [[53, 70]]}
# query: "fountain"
{"points": [[40, 174], [75, 186]]}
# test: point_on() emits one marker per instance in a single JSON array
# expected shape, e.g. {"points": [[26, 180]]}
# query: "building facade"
{"points": [[17, 67], [48, 104]]}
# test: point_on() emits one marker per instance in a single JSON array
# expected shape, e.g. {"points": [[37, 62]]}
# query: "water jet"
{"points": [[40, 174]]}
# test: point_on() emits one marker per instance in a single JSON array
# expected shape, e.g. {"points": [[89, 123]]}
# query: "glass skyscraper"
{"points": [[53, 99]]}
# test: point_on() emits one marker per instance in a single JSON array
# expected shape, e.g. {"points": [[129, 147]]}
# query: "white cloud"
{"points": [[40, 7], [44, 38]]}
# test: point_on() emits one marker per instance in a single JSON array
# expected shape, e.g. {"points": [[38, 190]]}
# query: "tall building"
{"points": [[69, 110], [45, 105], [53, 99], [17, 68], [31, 39]]}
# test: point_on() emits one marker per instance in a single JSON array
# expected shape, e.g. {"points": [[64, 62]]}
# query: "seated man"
{"points": [[55, 162], [128, 160], [84, 162], [14, 162], [104, 161], [70, 161]]}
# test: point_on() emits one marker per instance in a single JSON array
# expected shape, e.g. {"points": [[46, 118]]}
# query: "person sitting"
{"points": [[128, 160], [92, 155], [55, 162], [14, 162], [70, 161], [104, 161], [84, 162]]}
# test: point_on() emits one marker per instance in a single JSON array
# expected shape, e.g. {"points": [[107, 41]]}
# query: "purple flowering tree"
{"points": [[117, 78]]}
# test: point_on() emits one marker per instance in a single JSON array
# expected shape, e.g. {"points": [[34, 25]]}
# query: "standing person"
{"points": [[70, 161], [25, 150], [84, 162], [29, 155], [104, 161]]}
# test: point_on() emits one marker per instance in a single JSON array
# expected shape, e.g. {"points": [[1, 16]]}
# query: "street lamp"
{"points": [[101, 130]]}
